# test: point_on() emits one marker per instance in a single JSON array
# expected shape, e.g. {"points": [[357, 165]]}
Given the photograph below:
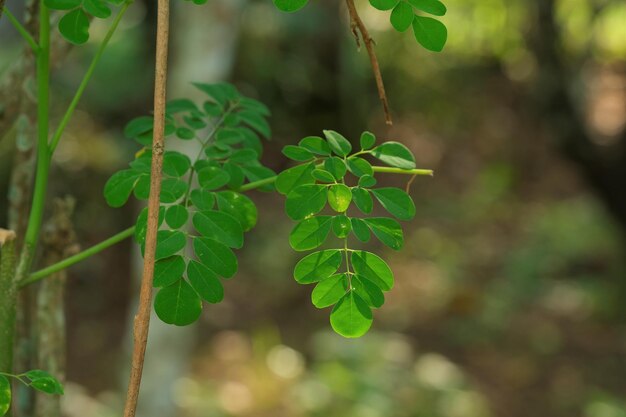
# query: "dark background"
{"points": [[510, 290]]}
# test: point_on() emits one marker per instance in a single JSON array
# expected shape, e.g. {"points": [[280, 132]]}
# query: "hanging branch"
{"points": [[357, 27], [142, 319]]}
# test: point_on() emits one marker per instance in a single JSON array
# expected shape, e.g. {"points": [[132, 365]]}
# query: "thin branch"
{"points": [[83, 84], [357, 24], [72, 260], [142, 319], [21, 29]]}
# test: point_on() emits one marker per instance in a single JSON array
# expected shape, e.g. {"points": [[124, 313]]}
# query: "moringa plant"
{"points": [[198, 211]]}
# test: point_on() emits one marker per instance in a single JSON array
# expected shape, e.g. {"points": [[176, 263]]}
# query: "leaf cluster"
{"points": [[431, 33], [202, 193], [330, 176]]}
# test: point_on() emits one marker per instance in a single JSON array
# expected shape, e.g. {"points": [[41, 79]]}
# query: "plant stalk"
{"points": [[20, 29], [8, 292], [142, 318]]}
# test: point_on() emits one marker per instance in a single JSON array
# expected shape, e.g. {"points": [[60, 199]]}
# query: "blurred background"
{"points": [[509, 297]]}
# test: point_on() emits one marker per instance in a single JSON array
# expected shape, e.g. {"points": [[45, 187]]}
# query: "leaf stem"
{"points": [[43, 160], [88, 74], [22, 30], [391, 170], [66, 263]]}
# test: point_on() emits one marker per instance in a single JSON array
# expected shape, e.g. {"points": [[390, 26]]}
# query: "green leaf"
{"points": [[5, 395], [305, 200], [336, 167], [297, 153], [62, 5], [387, 230], [44, 382], [141, 225], [169, 242], [323, 175], [219, 226], [360, 229], [257, 122], [341, 226], [372, 267], [239, 206], [205, 282], [172, 190], [434, 7], [202, 199], [180, 105], [395, 154], [368, 291], [178, 304], [317, 266], [176, 216], [363, 199], [290, 6], [360, 167], [338, 144], [244, 157], [351, 316], [215, 256], [367, 181], [212, 178], [294, 177], [236, 174], [384, 4], [402, 16], [430, 33], [329, 291], [175, 164], [310, 233], [139, 126], [316, 145], [254, 105], [339, 197], [74, 26], [367, 140], [142, 187], [97, 8], [118, 188], [221, 93], [395, 201], [168, 270]]}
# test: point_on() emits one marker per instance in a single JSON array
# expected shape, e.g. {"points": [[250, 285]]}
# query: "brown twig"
{"points": [[142, 319], [357, 24]]}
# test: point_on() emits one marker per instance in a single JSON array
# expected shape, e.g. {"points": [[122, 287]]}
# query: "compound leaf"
{"points": [[430, 33]]}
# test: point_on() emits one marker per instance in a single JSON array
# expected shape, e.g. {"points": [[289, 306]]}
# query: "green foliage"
{"points": [[76, 16], [429, 32], [324, 192], [36, 379], [324, 179], [202, 193]]}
